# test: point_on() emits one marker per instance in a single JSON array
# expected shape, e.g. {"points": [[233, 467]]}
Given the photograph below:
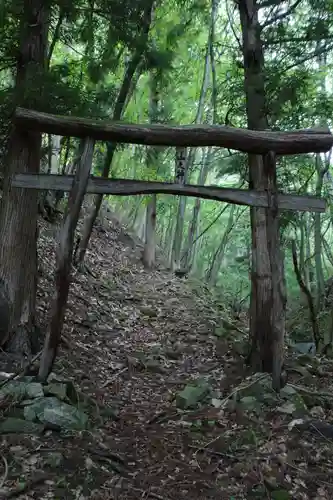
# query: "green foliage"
{"points": [[93, 44]]}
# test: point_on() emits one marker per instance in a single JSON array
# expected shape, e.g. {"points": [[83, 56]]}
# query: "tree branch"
{"points": [[281, 41], [315, 53], [307, 293], [282, 16]]}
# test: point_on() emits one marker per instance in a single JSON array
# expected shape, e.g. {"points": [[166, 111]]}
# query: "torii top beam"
{"points": [[247, 141]]}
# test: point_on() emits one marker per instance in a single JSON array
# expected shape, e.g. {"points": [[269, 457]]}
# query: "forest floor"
{"points": [[132, 341]]}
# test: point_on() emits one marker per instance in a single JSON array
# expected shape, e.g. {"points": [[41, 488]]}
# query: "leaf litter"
{"points": [[173, 412]]}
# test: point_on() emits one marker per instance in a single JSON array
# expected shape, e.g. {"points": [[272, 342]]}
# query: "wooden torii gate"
{"points": [[265, 143]]}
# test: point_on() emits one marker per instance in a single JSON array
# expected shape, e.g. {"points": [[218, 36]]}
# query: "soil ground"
{"points": [[132, 340]]}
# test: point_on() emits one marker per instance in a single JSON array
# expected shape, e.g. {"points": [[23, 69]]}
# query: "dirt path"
{"points": [[132, 340]]}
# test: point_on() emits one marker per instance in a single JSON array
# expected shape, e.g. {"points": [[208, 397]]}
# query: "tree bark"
{"points": [[47, 201], [320, 281], [322, 167], [257, 142], [267, 318], [308, 252], [148, 256], [18, 211], [64, 259], [190, 249], [213, 271], [180, 178]]}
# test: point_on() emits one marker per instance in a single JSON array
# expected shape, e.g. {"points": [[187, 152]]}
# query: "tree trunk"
{"points": [[60, 194], [18, 212], [64, 258], [148, 256], [48, 199], [328, 251], [302, 248], [170, 237], [267, 319], [181, 176], [217, 259], [322, 167], [308, 256], [320, 280], [189, 252], [178, 235], [125, 89], [136, 211]]}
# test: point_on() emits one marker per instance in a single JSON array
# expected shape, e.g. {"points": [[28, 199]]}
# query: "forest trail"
{"points": [[132, 341]]}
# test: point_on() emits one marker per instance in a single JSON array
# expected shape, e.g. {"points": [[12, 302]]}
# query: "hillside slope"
{"points": [[132, 341]]}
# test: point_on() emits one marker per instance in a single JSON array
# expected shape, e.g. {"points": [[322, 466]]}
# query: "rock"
{"points": [[155, 366], [173, 354], [90, 319], [13, 425], [295, 406], [56, 414], [221, 332], [22, 390], [250, 403], [56, 389], [193, 394], [280, 495], [317, 411], [56, 383], [287, 391], [54, 459], [305, 348], [148, 311], [217, 403], [287, 408], [262, 391]]}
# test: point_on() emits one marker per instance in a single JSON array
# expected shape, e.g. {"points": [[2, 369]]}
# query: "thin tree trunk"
{"points": [[170, 239], [180, 177], [148, 256], [328, 251], [189, 252], [178, 235], [139, 225], [125, 89], [320, 281], [18, 212], [302, 249], [55, 37], [136, 211], [307, 293], [60, 194], [48, 199], [308, 256], [321, 168], [213, 271]]}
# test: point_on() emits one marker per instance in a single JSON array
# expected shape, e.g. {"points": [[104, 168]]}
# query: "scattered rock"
{"points": [[193, 394], [57, 414], [12, 425], [148, 311]]}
